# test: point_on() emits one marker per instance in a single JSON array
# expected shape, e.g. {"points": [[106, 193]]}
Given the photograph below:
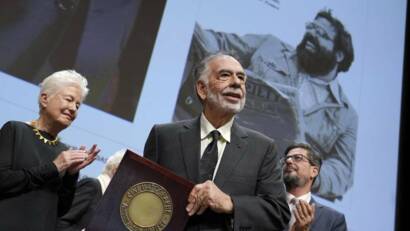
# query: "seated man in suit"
{"points": [[300, 169], [236, 169], [87, 195]]}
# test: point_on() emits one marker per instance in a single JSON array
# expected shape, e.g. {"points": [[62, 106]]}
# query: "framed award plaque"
{"points": [[142, 196]]}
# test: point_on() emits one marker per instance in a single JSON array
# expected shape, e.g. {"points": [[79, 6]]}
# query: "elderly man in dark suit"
{"points": [[237, 170], [301, 166]]}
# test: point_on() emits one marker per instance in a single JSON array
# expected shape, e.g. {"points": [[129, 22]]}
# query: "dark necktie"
{"points": [[209, 158]]}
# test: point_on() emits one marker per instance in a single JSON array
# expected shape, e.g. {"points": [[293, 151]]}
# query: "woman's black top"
{"points": [[32, 192]]}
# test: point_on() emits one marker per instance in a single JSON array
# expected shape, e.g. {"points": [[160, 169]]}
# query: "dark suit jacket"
{"points": [[87, 196], [327, 218], [249, 172]]}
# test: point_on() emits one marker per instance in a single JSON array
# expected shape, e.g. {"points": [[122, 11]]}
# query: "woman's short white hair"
{"points": [[60, 79], [113, 161]]}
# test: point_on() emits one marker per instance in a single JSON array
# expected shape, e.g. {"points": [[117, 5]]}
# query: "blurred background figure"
{"points": [[87, 196], [38, 172]]}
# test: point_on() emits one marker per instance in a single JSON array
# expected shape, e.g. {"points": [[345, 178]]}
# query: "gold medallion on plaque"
{"points": [[146, 206]]}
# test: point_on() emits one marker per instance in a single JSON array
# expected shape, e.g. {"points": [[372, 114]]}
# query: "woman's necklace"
{"points": [[42, 138]]}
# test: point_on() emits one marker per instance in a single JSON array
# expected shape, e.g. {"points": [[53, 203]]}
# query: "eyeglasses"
{"points": [[295, 158], [319, 30]]}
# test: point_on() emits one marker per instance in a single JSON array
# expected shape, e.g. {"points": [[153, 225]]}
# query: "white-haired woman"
{"points": [[38, 173]]}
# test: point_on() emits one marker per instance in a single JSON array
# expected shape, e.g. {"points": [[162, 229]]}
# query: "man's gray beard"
{"points": [[223, 105]]}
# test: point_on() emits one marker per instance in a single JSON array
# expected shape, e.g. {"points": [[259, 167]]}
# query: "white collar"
{"points": [[104, 180], [332, 85], [305, 197], [207, 127]]}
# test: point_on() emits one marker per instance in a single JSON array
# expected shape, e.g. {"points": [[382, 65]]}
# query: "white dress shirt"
{"points": [[289, 197], [206, 138]]}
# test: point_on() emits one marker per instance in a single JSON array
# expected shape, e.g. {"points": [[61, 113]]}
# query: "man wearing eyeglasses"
{"points": [[300, 167], [294, 93]]}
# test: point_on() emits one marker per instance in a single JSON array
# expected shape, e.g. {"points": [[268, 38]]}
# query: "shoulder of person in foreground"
{"points": [[251, 133], [170, 127], [87, 195], [168, 130]]}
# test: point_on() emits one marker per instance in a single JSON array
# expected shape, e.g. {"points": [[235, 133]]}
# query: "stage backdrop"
{"points": [[139, 57]]}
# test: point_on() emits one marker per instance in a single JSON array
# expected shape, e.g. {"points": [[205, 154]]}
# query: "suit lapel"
{"points": [[234, 151], [318, 211], [190, 145]]}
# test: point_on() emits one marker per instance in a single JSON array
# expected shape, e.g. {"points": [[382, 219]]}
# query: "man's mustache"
{"points": [[310, 38]]}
